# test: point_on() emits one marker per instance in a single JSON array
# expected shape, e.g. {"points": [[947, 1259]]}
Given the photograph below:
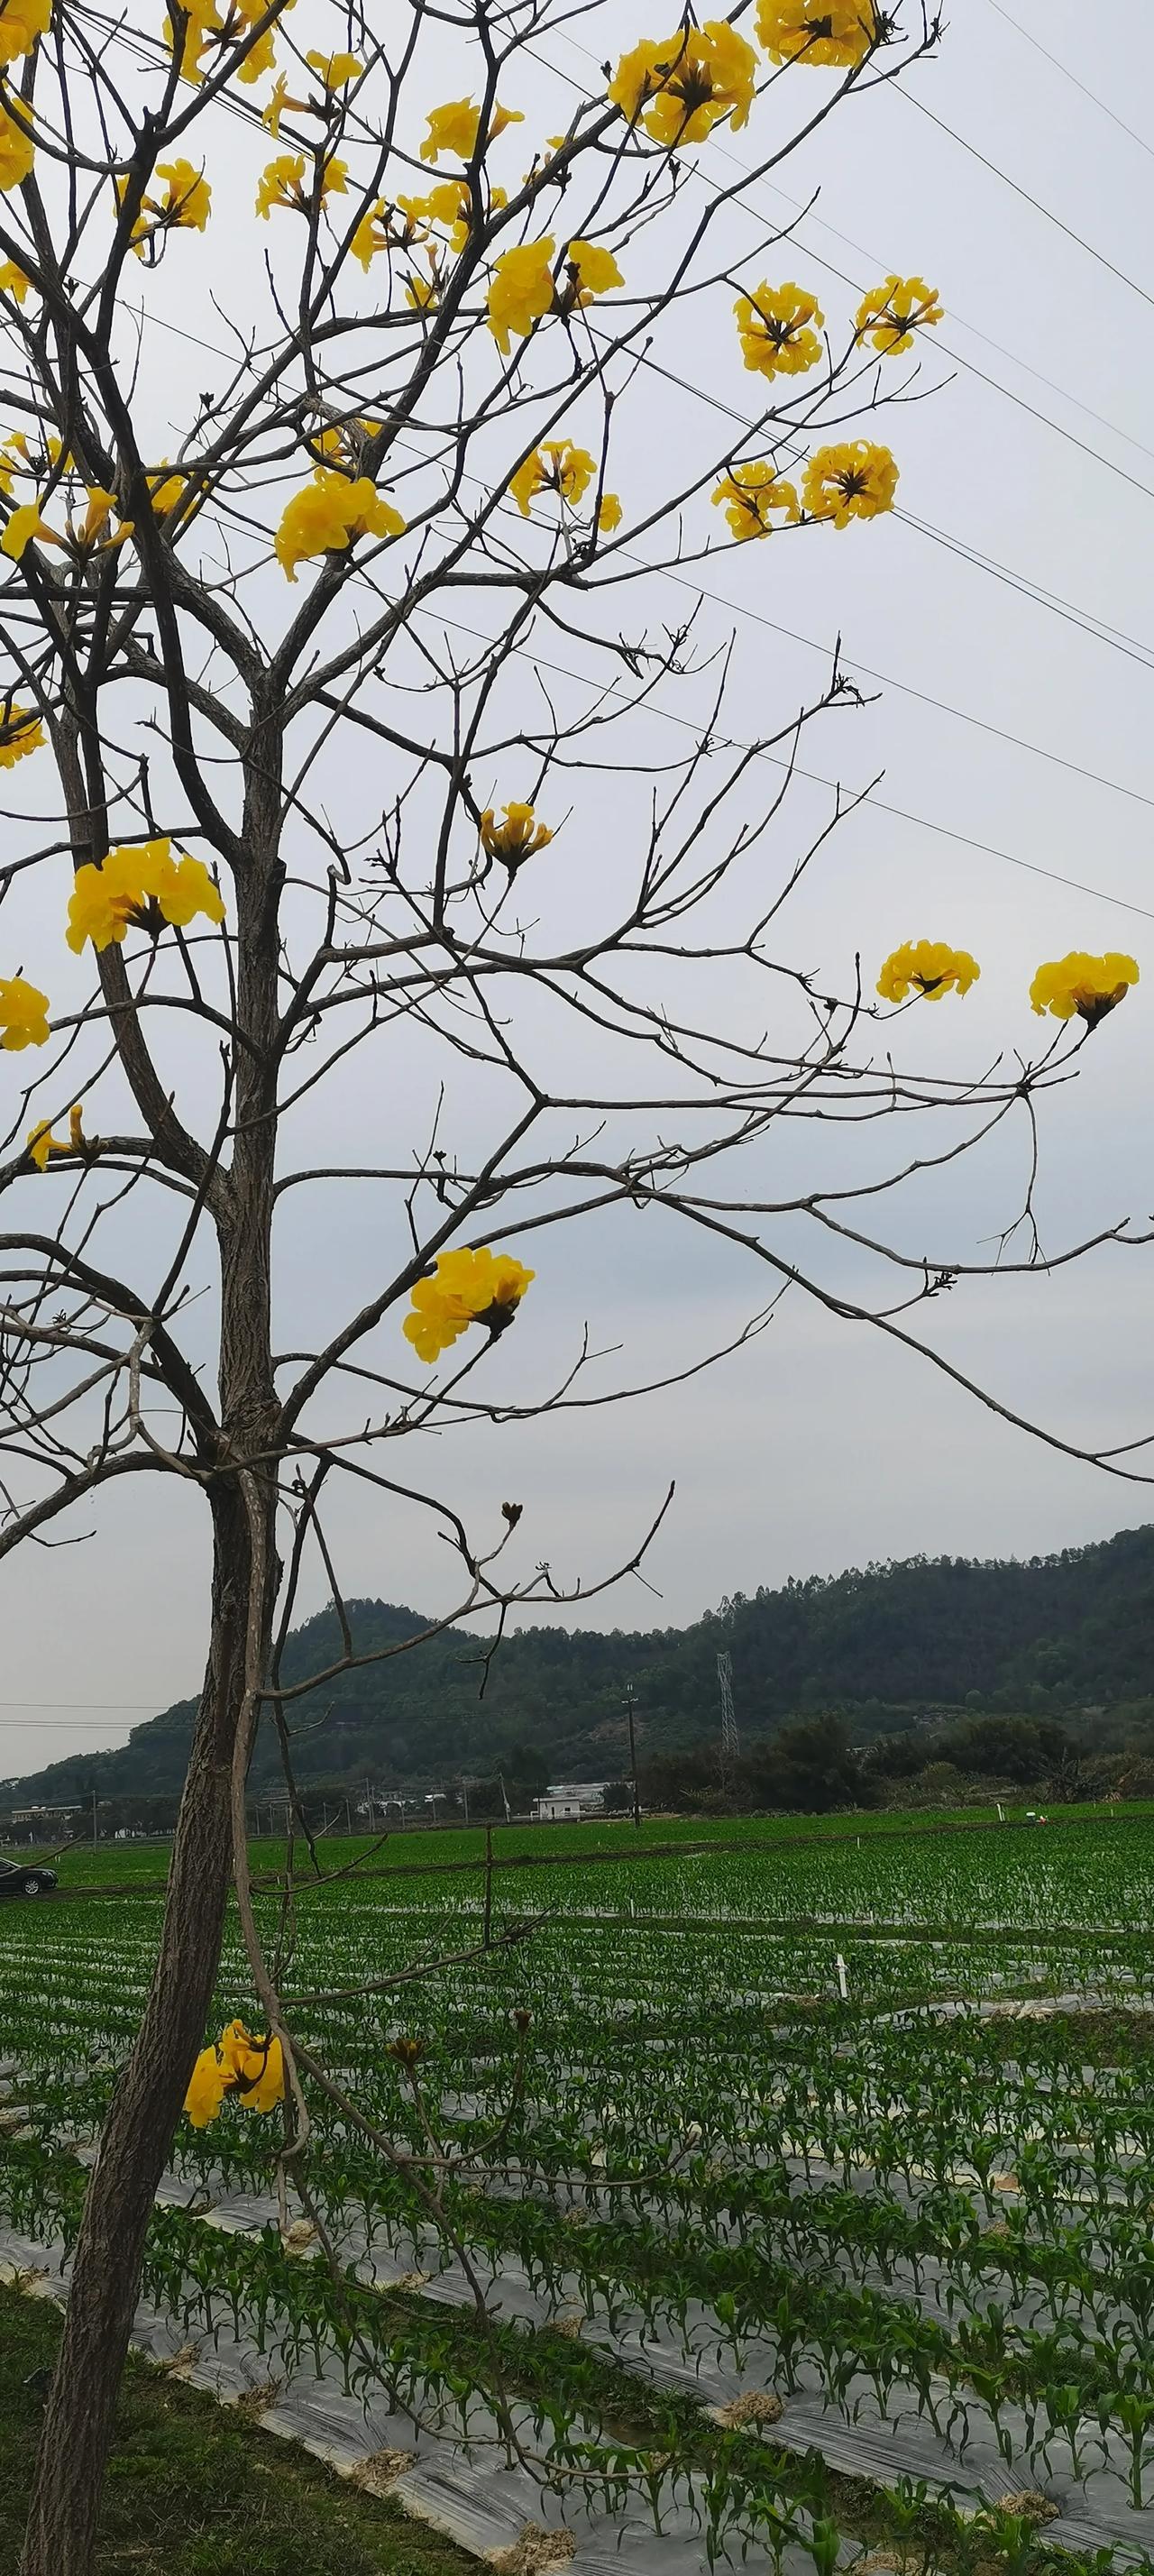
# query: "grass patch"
{"points": [[192, 2489]]}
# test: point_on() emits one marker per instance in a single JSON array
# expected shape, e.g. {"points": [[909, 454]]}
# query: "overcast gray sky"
{"points": [[818, 1447]]}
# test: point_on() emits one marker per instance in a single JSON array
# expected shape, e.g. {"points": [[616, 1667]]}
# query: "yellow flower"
{"points": [[23, 1014], [40, 1143], [255, 2065], [335, 71], [201, 19], [836, 34], [927, 967], [184, 206], [13, 281], [20, 527], [1086, 986], [594, 270], [168, 489], [371, 235], [283, 183], [467, 1288], [21, 731], [557, 467], [211, 2079], [891, 314], [260, 59], [750, 495], [21, 23], [608, 513], [181, 888], [422, 294], [328, 514], [520, 291], [452, 128], [139, 889], [17, 152], [518, 838], [92, 535], [778, 327], [852, 481], [683, 85]]}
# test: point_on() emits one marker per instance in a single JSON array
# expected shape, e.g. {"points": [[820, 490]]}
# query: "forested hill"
{"points": [[1053, 1634]]}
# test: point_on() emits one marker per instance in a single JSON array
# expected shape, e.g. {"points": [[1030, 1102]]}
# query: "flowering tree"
{"points": [[278, 696]]}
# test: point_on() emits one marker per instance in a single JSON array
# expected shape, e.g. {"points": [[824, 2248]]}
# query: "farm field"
{"points": [[772, 2276]]}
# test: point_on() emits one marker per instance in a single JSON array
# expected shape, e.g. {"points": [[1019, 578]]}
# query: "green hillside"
{"points": [[1051, 1635]]}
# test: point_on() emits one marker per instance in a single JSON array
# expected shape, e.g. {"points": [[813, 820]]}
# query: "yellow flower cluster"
{"points": [[453, 129], [518, 838], [22, 23], [251, 2069], [17, 151], [854, 480], [1083, 987], [778, 329], [836, 35], [21, 731], [328, 514], [23, 1014], [13, 282], [557, 467], [592, 271], [520, 291], [892, 314], [139, 889], [204, 24], [751, 495], [928, 967], [184, 206], [93, 534], [681, 86], [467, 1288], [283, 184]]}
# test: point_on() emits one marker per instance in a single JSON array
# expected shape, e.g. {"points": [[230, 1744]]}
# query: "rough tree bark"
{"points": [[139, 2130]]}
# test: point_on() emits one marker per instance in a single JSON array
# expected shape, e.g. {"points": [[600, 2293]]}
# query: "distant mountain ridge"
{"points": [[1053, 1634]]}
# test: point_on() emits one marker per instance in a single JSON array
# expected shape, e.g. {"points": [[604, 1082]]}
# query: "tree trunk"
{"points": [[138, 2133]]}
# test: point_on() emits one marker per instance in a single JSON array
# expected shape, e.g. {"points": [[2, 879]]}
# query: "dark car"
{"points": [[19, 1878]]}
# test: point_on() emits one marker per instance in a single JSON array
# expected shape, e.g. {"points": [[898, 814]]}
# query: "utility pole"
{"points": [[95, 1804], [504, 1796], [465, 1795], [730, 1747], [630, 1704]]}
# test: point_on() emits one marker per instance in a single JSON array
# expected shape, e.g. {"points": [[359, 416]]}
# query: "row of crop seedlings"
{"points": [[742, 2488], [1098, 1875], [1066, 2239]]}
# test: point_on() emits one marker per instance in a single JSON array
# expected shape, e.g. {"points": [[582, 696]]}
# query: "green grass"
{"points": [[193, 2490]]}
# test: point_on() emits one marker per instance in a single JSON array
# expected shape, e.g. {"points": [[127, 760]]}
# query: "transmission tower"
{"points": [[730, 1748]]}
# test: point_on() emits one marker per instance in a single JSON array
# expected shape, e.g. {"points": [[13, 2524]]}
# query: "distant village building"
{"points": [[28, 1815], [564, 1801]]}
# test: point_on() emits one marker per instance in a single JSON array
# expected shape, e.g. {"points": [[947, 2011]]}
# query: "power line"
{"points": [[1097, 629], [1122, 275], [993, 382], [1091, 625], [1067, 74], [722, 742], [906, 688]]}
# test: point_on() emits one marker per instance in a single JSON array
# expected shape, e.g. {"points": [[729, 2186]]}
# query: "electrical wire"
{"points": [[723, 742], [1067, 74]]}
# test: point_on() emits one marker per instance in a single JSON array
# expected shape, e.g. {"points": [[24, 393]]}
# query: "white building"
{"points": [[556, 1808]]}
